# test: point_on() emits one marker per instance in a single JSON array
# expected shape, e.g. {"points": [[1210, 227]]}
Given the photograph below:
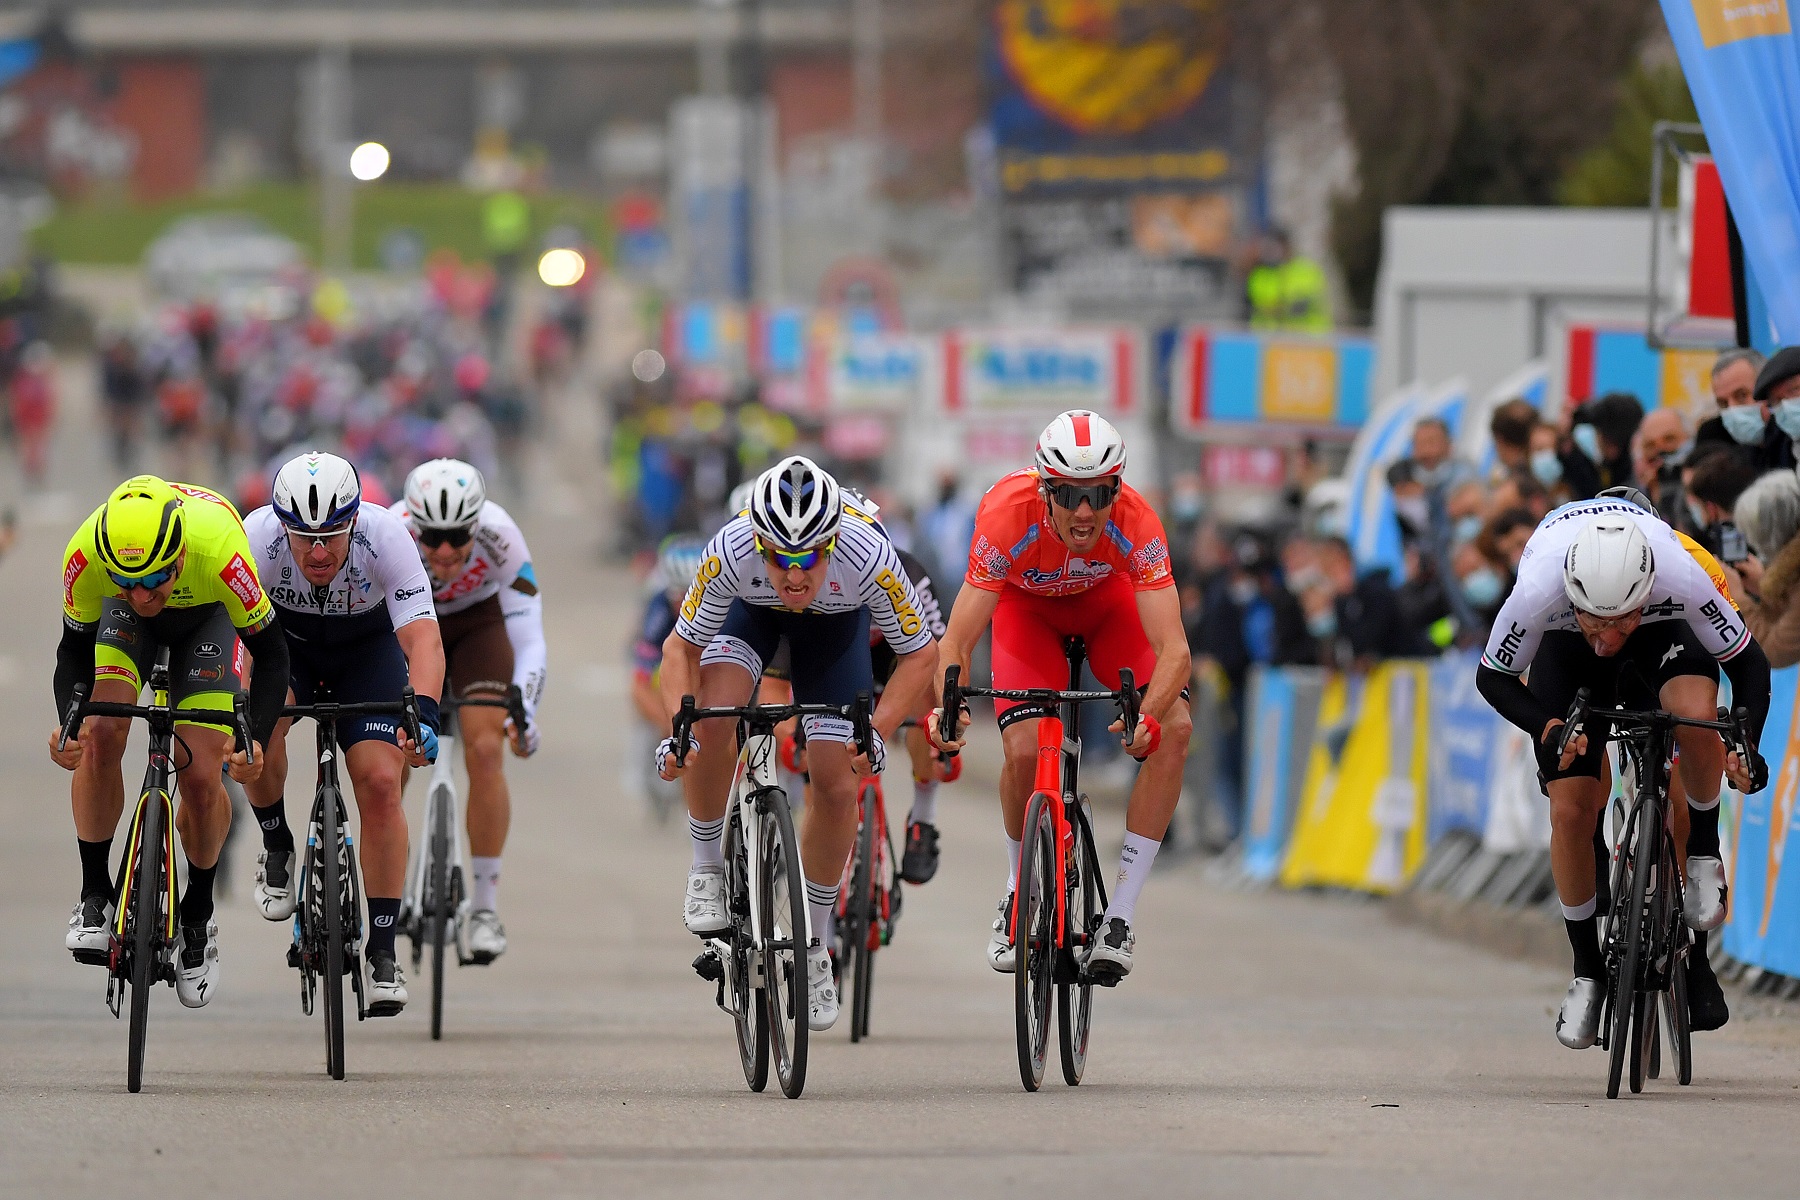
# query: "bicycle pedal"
{"points": [[708, 967], [93, 958]]}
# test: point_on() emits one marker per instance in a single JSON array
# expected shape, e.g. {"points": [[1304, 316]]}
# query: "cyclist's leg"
{"points": [[729, 669], [370, 670], [122, 653], [483, 665], [268, 792]]}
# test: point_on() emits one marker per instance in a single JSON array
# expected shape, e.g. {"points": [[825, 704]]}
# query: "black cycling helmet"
{"points": [[1630, 495]]}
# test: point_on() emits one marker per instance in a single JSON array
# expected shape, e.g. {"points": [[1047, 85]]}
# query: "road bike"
{"points": [[431, 911], [328, 930], [868, 903], [141, 943], [759, 963], [1061, 897], [1646, 941]]}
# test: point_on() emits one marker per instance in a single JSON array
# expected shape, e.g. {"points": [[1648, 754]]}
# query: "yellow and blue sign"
{"points": [[1226, 378], [1764, 925]]}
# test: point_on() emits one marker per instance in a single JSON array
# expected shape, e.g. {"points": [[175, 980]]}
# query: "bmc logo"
{"points": [[241, 579]]}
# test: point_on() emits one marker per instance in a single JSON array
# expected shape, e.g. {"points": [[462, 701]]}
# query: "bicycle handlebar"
{"points": [[860, 715], [513, 702], [1730, 725], [81, 708], [407, 708], [1126, 697]]}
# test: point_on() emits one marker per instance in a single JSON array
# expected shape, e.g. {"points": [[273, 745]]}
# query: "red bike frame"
{"points": [[1049, 785]]}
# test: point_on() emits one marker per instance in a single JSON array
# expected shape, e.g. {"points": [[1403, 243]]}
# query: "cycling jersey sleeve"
{"points": [[268, 648], [399, 572], [74, 663], [525, 630], [85, 585], [893, 602], [715, 584], [1748, 671], [1519, 626], [1509, 696], [1715, 622]]}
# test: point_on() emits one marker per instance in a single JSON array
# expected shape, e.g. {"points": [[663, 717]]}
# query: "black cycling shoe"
{"points": [[1707, 1009], [920, 862]]}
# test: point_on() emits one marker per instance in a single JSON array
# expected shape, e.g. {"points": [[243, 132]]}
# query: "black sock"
{"points": [[96, 868], [275, 832], [1703, 831], [1697, 960], [383, 914], [197, 900], [1584, 937]]}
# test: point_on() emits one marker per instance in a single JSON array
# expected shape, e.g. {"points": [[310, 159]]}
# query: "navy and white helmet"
{"points": [[317, 493], [445, 493], [678, 561], [796, 505]]}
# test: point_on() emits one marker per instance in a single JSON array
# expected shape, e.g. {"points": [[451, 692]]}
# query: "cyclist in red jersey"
{"points": [[1064, 549]]}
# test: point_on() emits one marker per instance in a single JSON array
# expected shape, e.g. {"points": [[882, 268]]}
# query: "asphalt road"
{"points": [[1266, 1044]]}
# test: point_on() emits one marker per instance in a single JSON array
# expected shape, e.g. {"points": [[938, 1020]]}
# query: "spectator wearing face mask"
{"points": [[1357, 618], [1601, 431], [1769, 514], [1546, 462], [1437, 469], [1744, 420], [1510, 426], [1712, 494], [1778, 390]]}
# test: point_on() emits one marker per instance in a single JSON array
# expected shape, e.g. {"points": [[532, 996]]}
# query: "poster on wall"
{"points": [[996, 370]]}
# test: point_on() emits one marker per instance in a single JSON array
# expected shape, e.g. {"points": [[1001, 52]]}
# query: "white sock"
{"points": [[1012, 876], [708, 837], [484, 876], [1135, 858], [821, 904], [924, 809]]}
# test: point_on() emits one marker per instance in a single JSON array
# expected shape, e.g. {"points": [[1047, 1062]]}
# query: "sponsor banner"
{"points": [[887, 372], [1602, 360], [1363, 826], [1283, 716], [1052, 369], [1764, 925], [1464, 734], [1223, 380]]}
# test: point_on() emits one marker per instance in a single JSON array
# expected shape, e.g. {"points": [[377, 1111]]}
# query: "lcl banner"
{"points": [[1742, 63], [1098, 367]]}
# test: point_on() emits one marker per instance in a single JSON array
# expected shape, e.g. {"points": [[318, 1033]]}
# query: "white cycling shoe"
{"points": [[1578, 1022], [1703, 900], [89, 937], [387, 986], [275, 897], [1000, 945], [821, 989], [1108, 957], [197, 964], [704, 911], [486, 936]]}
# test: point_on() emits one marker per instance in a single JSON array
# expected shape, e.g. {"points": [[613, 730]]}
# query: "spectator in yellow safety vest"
{"points": [[1285, 292]]}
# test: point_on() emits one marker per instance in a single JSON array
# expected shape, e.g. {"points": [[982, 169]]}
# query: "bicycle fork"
{"points": [[155, 793], [1051, 748]]}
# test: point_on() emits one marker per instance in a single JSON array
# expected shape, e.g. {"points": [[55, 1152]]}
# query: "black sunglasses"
{"points": [[1070, 495], [434, 538]]}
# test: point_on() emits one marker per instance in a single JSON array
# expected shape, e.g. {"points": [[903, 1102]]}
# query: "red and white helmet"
{"points": [[1080, 445]]}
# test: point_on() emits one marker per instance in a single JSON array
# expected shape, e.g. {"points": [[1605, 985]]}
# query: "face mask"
{"points": [[1244, 592], [1322, 625], [1546, 467], [1587, 440], [1466, 529], [1697, 512], [1787, 417], [1187, 506], [1431, 477], [1413, 511], [1305, 580], [1482, 587], [1744, 423]]}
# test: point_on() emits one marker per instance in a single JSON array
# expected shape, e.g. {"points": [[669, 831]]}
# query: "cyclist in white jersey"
{"points": [[805, 563], [357, 612], [492, 616], [1608, 599]]}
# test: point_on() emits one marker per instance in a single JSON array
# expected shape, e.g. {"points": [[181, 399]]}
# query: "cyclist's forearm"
{"points": [[680, 673], [969, 619], [910, 684], [74, 663], [269, 680], [531, 655], [423, 646], [1748, 671], [1513, 700], [1160, 612]]}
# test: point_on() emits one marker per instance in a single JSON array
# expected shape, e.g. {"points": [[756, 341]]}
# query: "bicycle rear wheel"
{"points": [[1630, 960], [1675, 1003], [147, 927], [437, 906], [858, 961], [331, 899], [1075, 1001], [749, 1008], [783, 905], [1034, 945]]}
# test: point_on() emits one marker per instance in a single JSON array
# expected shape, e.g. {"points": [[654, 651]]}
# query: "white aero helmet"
{"points": [[1609, 568], [445, 493], [316, 493], [796, 505], [1080, 445]]}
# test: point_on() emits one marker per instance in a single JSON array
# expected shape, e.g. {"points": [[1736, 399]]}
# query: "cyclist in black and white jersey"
{"points": [[356, 607], [1609, 599], [806, 563]]}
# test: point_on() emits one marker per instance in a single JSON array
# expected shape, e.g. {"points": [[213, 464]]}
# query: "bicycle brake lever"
{"points": [[1128, 705], [1576, 725], [409, 712], [72, 722], [684, 725], [864, 728], [240, 710], [952, 701]]}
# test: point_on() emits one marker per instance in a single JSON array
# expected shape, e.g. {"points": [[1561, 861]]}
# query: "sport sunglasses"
{"points": [[148, 582], [1098, 495], [803, 561], [433, 538]]}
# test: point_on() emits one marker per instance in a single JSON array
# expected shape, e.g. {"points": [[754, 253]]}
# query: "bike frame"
{"points": [[329, 752], [748, 808], [440, 794]]}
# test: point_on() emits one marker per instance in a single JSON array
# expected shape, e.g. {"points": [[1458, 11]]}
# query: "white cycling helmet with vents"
{"points": [[1609, 568], [796, 505], [316, 493], [1080, 445], [445, 493]]}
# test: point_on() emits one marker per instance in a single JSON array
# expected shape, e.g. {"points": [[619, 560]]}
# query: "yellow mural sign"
{"points": [[1299, 382]]}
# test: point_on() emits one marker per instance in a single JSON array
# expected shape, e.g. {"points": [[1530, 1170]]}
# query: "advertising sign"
{"points": [[1060, 368], [1223, 379], [1464, 733], [881, 371]]}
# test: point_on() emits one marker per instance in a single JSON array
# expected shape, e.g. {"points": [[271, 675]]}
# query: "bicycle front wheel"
{"points": [[749, 1008], [1034, 941], [147, 926], [437, 907], [1075, 1001], [857, 964], [783, 906], [331, 900], [1639, 849]]}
